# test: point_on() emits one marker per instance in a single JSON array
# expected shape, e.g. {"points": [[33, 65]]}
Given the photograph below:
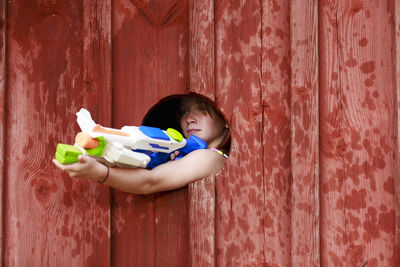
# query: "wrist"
{"points": [[105, 175]]}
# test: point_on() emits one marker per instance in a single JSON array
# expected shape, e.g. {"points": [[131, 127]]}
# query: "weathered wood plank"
{"points": [[396, 115], [241, 60], [96, 85], [202, 81], [172, 228], [3, 91], [202, 222], [149, 55], [331, 113], [240, 188], [202, 48], [42, 206], [305, 135], [171, 209], [150, 61], [357, 134], [133, 230], [97, 58], [276, 132]]}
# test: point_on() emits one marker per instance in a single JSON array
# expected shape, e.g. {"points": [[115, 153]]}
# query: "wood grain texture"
{"points": [[3, 123], [276, 132], [357, 135], [305, 133], [202, 222], [240, 188], [150, 62], [311, 92], [202, 48], [202, 81], [172, 228], [97, 54], [396, 114], [50, 220], [96, 87]]}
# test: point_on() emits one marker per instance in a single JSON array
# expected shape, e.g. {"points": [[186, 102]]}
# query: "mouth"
{"points": [[192, 131]]}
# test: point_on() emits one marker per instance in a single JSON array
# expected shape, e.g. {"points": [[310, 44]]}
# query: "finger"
{"points": [[66, 167], [174, 155], [58, 164], [73, 174], [82, 159]]}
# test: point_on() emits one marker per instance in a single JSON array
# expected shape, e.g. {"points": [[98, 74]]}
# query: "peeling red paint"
{"points": [[363, 42], [312, 176], [272, 56], [368, 67], [388, 185], [352, 62], [387, 221]]}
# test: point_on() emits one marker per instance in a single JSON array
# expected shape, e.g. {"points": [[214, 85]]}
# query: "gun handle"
{"points": [[192, 144], [157, 158]]}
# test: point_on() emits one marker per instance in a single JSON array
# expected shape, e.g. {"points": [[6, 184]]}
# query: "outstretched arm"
{"points": [[171, 175]]}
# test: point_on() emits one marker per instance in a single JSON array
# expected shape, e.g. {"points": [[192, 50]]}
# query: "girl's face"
{"points": [[196, 120]]}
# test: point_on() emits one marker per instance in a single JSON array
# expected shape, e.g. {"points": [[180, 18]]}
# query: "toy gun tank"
{"points": [[131, 146]]}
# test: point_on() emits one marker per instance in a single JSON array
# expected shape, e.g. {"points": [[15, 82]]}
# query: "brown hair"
{"points": [[160, 115], [209, 107]]}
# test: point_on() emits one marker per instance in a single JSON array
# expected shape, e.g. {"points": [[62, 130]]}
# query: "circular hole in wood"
{"points": [[165, 114]]}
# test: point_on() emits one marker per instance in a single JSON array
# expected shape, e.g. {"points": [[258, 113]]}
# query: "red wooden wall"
{"points": [[311, 91]]}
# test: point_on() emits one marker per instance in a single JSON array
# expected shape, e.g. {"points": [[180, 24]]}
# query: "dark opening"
{"points": [[164, 114]]}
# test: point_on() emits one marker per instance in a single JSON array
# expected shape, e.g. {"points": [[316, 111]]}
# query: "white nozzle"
{"points": [[85, 121]]}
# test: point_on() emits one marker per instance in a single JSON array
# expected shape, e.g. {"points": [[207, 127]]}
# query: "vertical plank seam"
{"points": [[110, 87], [261, 83], [340, 107], [111, 116], [110, 109], [214, 36], [100, 17], [395, 126], [319, 14], [316, 259], [317, 165], [3, 51], [290, 194], [290, 137], [314, 9], [291, 93], [154, 226], [188, 90]]}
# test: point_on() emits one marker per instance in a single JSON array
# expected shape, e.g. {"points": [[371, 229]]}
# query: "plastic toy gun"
{"points": [[131, 146]]}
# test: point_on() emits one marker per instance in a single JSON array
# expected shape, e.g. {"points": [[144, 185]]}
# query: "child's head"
{"points": [[197, 117], [175, 111]]}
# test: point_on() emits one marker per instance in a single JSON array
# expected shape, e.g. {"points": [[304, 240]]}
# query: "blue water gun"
{"points": [[192, 144], [130, 146]]}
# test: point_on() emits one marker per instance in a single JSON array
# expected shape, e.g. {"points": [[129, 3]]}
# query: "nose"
{"points": [[191, 117]]}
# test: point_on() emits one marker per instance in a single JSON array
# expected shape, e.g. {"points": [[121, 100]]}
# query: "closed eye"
{"points": [[184, 111]]}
